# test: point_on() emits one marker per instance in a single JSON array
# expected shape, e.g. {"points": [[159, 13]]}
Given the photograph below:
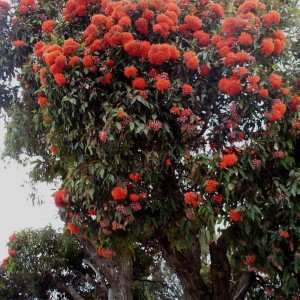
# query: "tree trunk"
{"points": [[187, 267], [220, 270], [121, 286]]}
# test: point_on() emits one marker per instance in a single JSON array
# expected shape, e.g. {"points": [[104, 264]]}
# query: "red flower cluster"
{"points": [[118, 193], [191, 60], [228, 160], [74, 229], [18, 43], [211, 186], [106, 252], [231, 86], [234, 215], [192, 198], [47, 26], [136, 177], [278, 110], [60, 198]]}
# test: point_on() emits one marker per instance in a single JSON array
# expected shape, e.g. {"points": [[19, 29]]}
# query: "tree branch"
{"points": [[244, 285]]}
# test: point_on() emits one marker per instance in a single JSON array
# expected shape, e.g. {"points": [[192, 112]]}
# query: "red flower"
{"points": [[92, 212], [278, 110], [228, 160], [13, 238], [267, 47], [191, 60], [284, 234], [47, 26], [187, 89], [12, 252], [118, 193], [106, 252], [42, 101], [231, 86], [134, 197], [70, 46], [60, 79], [193, 23], [139, 83], [130, 72], [135, 177], [162, 84], [73, 228], [245, 39], [275, 81], [218, 198], [202, 38], [60, 197], [18, 43], [250, 259], [263, 93], [192, 198], [211, 186], [234, 215]]}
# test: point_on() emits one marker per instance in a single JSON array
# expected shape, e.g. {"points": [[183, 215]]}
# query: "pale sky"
{"points": [[16, 209]]}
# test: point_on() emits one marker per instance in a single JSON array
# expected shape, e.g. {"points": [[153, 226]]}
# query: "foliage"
{"points": [[166, 120]]}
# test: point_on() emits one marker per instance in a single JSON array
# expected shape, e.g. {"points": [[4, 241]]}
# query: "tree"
{"points": [[43, 264], [173, 123]]}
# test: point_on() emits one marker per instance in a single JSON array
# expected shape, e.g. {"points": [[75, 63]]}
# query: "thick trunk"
{"points": [[117, 272], [122, 285], [220, 270], [187, 267]]}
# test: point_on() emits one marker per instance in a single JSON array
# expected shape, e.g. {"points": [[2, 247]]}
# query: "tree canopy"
{"points": [[169, 123]]}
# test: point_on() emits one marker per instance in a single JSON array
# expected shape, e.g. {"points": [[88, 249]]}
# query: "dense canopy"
{"points": [[174, 123]]}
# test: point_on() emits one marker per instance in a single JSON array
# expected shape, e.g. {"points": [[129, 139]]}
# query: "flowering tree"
{"points": [[173, 123]]}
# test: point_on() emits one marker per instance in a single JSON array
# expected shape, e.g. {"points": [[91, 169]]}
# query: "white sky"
{"points": [[16, 209]]}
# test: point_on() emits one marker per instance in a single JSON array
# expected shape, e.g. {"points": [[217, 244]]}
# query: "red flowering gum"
{"points": [[162, 84], [234, 215], [60, 79], [130, 72], [187, 89], [159, 53], [218, 198], [60, 198], [106, 252], [275, 81], [134, 197], [278, 110], [191, 60], [193, 23], [118, 193], [47, 26], [13, 238], [267, 47], [228, 160], [284, 234], [12, 252], [211, 186], [136, 177], [295, 103], [73, 228], [192, 198], [18, 43], [70, 46], [139, 83], [245, 39], [42, 101], [231, 86], [202, 38]]}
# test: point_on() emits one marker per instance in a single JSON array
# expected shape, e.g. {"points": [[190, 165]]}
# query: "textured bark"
{"points": [[187, 266], [243, 286], [117, 272], [123, 283], [220, 270]]}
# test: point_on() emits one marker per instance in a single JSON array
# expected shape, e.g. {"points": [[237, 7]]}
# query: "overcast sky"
{"points": [[16, 209]]}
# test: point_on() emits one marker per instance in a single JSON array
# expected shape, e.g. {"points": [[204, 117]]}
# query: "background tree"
{"points": [[43, 264], [164, 119]]}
